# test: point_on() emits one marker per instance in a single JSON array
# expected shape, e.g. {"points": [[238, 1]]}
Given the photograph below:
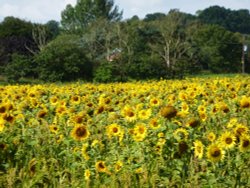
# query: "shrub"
{"points": [[63, 59]]}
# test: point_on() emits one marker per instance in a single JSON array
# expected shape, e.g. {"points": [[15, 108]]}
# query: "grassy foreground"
{"points": [[175, 133]]}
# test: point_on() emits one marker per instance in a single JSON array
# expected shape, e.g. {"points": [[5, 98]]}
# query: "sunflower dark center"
{"points": [[130, 114], [101, 166], [245, 143], [115, 130], [2, 109], [81, 132], [229, 140], [216, 153]]}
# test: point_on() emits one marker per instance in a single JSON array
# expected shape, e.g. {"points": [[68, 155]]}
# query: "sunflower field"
{"points": [[169, 133]]}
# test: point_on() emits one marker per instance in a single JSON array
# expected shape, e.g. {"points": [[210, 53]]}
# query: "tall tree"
{"points": [[233, 20], [220, 49], [15, 34], [85, 12], [171, 44]]}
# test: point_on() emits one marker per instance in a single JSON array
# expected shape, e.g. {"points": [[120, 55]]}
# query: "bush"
{"points": [[20, 66], [63, 59]]}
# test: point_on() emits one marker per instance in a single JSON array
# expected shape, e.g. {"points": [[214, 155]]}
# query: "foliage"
{"points": [[233, 20], [171, 43], [63, 59], [168, 133], [19, 67], [215, 43], [77, 19], [15, 35]]}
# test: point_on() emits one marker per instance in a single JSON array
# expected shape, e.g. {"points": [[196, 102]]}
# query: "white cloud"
{"points": [[34, 10]]}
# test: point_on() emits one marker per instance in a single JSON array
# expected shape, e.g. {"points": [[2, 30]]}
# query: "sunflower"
{"points": [[87, 174], [244, 143], [118, 166], [154, 123], [193, 122], [154, 102], [211, 136], [80, 132], [245, 102], [240, 130], [3, 109], [168, 112], [9, 118], [215, 153], [84, 151], [139, 132], [180, 134], [198, 149], [113, 130], [184, 107], [144, 114], [203, 116], [75, 99], [100, 109], [227, 140], [42, 113], [232, 122], [53, 100], [53, 128], [160, 135], [100, 166], [61, 110], [129, 114], [202, 109], [1, 125], [32, 166]]}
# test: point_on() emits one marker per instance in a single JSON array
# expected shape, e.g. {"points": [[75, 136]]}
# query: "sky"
{"points": [[41, 11]]}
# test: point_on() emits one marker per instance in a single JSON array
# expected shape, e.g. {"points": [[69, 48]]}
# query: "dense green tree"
{"points": [[19, 67], [85, 12], [220, 49], [154, 16], [53, 29], [233, 20], [15, 37], [63, 59]]}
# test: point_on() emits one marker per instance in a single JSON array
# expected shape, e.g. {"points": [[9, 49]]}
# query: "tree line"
{"points": [[93, 43]]}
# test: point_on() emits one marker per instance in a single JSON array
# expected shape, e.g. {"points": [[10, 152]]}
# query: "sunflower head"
{"points": [[42, 113], [211, 136], [227, 140], [180, 134], [113, 130], [193, 122], [240, 130], [118, 166], [144, 114], [215, 153], [168, 112], [244, 143], [198, 149], [154, 123], [245, 102], [53, 128], [154, 102], [100, 166], [80, 132], [87, 174]]}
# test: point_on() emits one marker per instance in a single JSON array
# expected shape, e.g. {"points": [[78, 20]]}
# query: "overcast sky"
{"points": [[44, 10]]}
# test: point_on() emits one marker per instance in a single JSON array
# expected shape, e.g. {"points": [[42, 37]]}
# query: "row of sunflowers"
{"points": [[169, 133]]}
